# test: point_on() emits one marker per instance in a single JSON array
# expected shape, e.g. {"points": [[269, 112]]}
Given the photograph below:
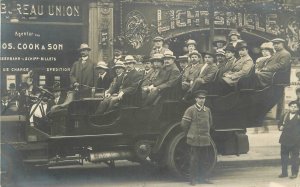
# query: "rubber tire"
{"points": [[180, 140]]}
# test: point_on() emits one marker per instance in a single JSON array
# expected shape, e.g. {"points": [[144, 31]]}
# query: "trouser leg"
{"points": [[295, 160], [102, 107], [284, 159], [194, 163], [151, 97], [112, 103]]}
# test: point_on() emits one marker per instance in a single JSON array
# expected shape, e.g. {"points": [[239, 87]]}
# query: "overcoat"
{"points": [[130, 81], [167, 77], [197, 123], [83, 73], [239, 68], [291, 130], [280, 61], [115, 84]]}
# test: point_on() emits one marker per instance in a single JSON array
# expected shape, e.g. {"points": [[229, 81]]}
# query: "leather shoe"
{"points": [[193, 183], [293, 176], [282, 175]]}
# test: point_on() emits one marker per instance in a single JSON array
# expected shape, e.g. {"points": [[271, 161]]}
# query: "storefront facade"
{"points": [[43, 36]]}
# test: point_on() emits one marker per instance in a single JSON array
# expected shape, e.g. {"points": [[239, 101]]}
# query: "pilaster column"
{"points": [[101, 30]]}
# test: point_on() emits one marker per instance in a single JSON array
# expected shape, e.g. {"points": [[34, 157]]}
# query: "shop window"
{"points": [[42, 80], [10, 82]]}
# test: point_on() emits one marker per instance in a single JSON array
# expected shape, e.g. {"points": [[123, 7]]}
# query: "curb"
{"points": [[248, 163]]}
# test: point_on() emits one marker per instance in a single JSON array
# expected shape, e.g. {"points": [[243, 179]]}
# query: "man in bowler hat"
{"points": [[197, 122]]}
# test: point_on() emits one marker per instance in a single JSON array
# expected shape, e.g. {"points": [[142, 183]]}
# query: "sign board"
{"points": [[36, 35], [141, 21]]}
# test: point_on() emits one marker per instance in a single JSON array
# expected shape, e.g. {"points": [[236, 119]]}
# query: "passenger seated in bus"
{"points": [[280, 61], [103, 76], [206, 73], [167, 77], [59, 97], [220, 58], [267, 50], [183, 62], [230, 53], [239, 68], [157, 64], [128, 86], [192, 71]]}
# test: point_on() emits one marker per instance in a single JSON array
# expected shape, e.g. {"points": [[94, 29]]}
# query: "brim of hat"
{"points": [[129, 62], [198, 54], [214, 42], [220, 54], [234, 34], [155, 59], [103, 67], [173, 57], [207, 53], [119, 67], [86, 48]]}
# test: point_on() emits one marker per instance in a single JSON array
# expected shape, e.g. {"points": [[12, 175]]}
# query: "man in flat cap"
{"points": [[158, 46], [234, 37], [192, 71], [128, 86], [280, 61], [196, 123], [220, 59], [83, 72]]}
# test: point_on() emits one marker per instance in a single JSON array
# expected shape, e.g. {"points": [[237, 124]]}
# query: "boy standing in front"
{"points": [[290, 140], [197, 121]]}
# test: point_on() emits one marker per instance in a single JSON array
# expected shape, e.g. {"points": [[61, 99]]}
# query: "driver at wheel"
{"points": [[196, 122]]}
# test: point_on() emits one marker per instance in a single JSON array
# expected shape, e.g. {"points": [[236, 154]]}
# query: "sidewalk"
{"points": [[264, 150]]}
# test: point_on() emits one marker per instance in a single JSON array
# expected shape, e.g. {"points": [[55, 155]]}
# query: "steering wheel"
{"points": [[46, 92]]}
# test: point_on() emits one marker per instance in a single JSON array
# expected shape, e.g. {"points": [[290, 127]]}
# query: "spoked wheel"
{"points": [[178, 157]]}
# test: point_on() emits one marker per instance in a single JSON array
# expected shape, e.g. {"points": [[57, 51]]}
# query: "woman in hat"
{"points": [[267, 50], [239, 68]]}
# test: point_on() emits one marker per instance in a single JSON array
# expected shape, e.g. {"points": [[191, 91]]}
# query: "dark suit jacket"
{"points": [[130, 81], [105, 82], [149, 77], [83, 73], [281, 60], [167, 77], [207, 74], [61, 100], [291, 130], [115, 84]]}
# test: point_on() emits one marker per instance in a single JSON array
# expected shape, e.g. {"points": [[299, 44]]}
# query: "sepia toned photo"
{"points": [[150, 93]]}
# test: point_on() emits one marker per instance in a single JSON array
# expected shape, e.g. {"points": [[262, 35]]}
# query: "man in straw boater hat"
{"points": [[192, 71], [158, 46], [83, 72], [103, 76], [167, 77], [128, 86], [191, 46], [280, 61], [196, 123]]}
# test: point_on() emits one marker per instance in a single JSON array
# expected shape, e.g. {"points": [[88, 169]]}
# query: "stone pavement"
{"points": [[264, 150]]}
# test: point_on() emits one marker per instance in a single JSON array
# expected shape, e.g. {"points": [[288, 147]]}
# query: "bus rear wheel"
{"points": [[178, 157]]}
